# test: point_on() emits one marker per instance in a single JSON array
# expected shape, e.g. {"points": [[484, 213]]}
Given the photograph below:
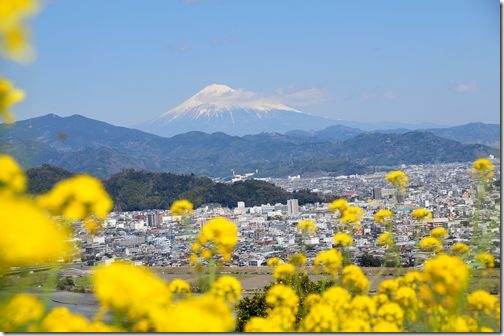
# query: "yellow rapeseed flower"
{"points": [[14, 34], [205, 313], [227, 288], [274, 262], [320, 318], [439, 233], [77, 198], [181, 208], [447, 275], [298, 260], [383, 216], [261, 324], [391, 312], [482, 301], [179, 289], [311, 299], [29, 236], [307, 227], [430, 244], [282, 296], [385, 327], [354, 279], [60, 319], [421, 214], [12, 177], [129, 289], [20, 310], [284, 271], [340, 204], [385, 239], [483, 168], [352, 215], [342, 239], [222, 234], [485, 259], [460, 249], [328, 262], [388, 287], [9, 96], [398, 178]]}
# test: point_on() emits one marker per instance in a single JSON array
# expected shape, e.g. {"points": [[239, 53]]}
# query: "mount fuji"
{"points": [[220, 108]]}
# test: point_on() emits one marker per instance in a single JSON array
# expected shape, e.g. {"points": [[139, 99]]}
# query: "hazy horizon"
{"points": [[124, 62]]}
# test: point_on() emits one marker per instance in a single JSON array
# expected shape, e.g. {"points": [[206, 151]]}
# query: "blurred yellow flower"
{"points": [[328, 262], [342, 239], [227, 288], [482, 301], [421, 214], [274, 262], [181, 208], [485, 259], [307, 227], [391, 312], [14, 35], [430, 244], [447, 275], [179, 289], [60, 319], [29, 236], [261, 324], [129, 289], [460, 248], [385, 239], [439, 233], [9, 96], [398, 178], [20, 310], [340, 204], [12, 177], [77, 197], [298, 260], [205, 313], [383, 216], [282, 296], [354, 279], [284, 271], [483, 168], [222, 233], [352, 215]]}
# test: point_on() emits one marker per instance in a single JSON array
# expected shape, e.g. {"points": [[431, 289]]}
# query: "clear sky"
{"points": [[127, 61]]}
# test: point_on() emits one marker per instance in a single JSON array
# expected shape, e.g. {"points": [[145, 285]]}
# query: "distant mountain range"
{"points": [[81, 144], [471, 133]]}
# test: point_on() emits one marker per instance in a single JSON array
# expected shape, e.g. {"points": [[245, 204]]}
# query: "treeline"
{"points": [[139, 190]]}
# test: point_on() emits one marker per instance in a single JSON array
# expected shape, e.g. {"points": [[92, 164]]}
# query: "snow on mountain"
{"points": [[220, 108], [217, 99]]}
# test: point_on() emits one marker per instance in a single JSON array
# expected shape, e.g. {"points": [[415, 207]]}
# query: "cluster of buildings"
{"points": [[157, 238]]}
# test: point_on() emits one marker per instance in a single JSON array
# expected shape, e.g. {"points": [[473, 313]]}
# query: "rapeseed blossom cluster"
{"points": [[383, 216], [398, 179], [9, 96], [421, 214], [14, 34], [483, 169], [181, 208], [307, 227], [342, 239], [218, 236]]}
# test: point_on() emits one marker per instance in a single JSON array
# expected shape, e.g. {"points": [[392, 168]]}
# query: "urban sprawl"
{"points": [[156, 238]]}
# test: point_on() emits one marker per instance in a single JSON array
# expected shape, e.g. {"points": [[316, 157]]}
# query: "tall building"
{"points": [[377, 193], [292, 208]]}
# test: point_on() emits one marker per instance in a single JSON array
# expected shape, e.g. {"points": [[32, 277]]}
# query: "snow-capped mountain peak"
{"points": [[218, 99]]}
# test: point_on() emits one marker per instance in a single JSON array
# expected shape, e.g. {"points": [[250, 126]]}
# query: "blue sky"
{"points": [[127, 61]]}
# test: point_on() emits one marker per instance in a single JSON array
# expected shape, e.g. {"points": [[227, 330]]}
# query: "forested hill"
{"points": [[140, 190]]}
